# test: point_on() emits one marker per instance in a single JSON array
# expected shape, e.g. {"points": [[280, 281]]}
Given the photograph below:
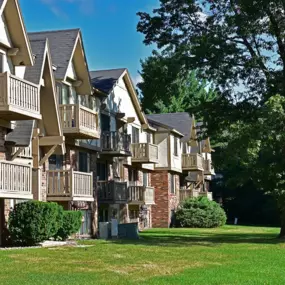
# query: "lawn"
{"points": [[229, 255]]}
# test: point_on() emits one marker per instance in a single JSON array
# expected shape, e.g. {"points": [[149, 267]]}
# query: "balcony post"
{"points": [[6, 96], [71, 183], [147, 152], [77, 120]]}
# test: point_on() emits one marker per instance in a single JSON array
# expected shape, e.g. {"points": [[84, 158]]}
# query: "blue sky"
{"points": [[108, 27]]}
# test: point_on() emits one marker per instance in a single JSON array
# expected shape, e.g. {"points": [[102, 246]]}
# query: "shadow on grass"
{"points": [[176, 239]]}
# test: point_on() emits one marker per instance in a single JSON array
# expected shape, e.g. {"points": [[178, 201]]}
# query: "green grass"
{"points": [[229, 255]]}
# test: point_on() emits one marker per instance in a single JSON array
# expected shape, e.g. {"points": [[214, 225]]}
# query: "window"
{"points": [[135, 135], [148, 138], [175, 146], [63, 93], [172, 184]]}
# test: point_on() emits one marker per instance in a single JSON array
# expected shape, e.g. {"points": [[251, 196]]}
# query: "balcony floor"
{"points": [[116, 153], [17, 195], [69, 198], [12, 113], [80, 134]]}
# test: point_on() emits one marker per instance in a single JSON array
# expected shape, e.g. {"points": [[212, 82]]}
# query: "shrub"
{"points": [[71, 224], [200, 213], [33, 222]]}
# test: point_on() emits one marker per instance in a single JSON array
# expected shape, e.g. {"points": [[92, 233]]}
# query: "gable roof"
{"points": [[61, 44], [21, 134], [34, 73], [17, 32], [182, 122], [104, 80], [108, 79]]}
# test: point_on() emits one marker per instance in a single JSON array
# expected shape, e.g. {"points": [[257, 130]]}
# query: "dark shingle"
{"points": [[182, 122], [104, 80], [33, 73], [61, 45], [22, 133]]}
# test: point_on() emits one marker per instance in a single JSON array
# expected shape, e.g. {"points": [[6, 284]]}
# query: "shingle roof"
{"points": [[182, 122], [33, 73], [1, 3], [61, 45], [104, 80], [22, 133]]}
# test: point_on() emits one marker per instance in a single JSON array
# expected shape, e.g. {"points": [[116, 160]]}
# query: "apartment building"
{"points": [[185, 167], [71, 177], [128, 152], [29, 123]]}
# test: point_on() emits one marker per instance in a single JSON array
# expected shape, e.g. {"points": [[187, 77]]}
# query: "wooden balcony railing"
{"points": [[192, 161], [79, 121], [144, 153], [25, 153], [136, 194], [15, 181], [149, 197], [69, 185], [118, 192], [19, 98], [116, 143], [112, 192], [208, 167], [185, 194]]}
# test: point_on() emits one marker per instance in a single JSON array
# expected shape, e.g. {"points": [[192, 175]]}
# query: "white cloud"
{"points": [[86, 7]]}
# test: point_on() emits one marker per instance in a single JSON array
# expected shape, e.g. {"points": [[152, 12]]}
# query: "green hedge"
{"points": [[200, 213], [72, 221], [33, 222]]}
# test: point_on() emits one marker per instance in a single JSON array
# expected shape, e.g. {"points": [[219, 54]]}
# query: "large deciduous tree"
{"points": [[239, 46], [166, 90]]}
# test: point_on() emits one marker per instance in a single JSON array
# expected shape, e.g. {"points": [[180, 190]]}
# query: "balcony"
{"points": [[208, 167], [140, 195], [69, 185], [79, 122], [144, 153], [192, 162], [112, 192], [19, 99], [136, 195], [186, 193], [116, 144], [15, 181], [149, 197]]}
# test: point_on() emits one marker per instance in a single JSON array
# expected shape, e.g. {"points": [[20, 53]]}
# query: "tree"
{"points": [[239, 46], [175, 92]]}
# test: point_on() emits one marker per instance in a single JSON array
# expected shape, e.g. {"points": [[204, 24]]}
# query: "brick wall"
{"points": [[160, 211], [165, 201]]}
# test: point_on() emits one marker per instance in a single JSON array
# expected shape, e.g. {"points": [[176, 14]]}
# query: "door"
{"points": [[135, 135], [83, 162], [86, 222]]}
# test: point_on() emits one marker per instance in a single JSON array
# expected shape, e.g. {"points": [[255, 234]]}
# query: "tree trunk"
{"points": [[281, 205]]}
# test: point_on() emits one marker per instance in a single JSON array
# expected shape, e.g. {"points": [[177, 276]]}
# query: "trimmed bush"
{"points": [[33, 222], [200, 213], [72, 221]]}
